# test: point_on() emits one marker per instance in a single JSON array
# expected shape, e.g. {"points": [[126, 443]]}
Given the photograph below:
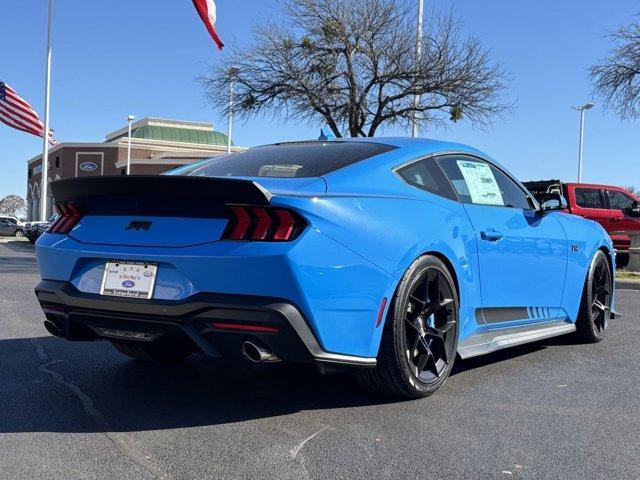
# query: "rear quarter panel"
{"points": [[390, 224]]}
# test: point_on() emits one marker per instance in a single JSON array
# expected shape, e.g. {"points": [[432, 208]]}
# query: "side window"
{"points": [[512, 194], [589, 198], [480, 183], [426, 175], [620, 200]]}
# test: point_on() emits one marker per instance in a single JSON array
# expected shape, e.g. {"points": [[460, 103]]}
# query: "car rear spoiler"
{"points": [[158, 195]]}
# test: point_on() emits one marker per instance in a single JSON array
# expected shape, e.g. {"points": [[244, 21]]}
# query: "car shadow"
{"points": [[51, 393], [49, 383]]}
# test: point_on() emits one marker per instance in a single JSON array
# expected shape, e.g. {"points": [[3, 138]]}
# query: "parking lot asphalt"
{"points": [[553, 409]]}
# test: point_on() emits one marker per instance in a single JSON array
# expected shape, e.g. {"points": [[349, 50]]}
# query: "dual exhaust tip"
{"points": [[257, 352]]}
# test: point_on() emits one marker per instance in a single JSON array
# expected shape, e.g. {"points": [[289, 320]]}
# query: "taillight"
{"points": [[69, 216], [240, 223], [263, 224]]}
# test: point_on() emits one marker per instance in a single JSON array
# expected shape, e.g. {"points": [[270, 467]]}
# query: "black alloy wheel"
{"points": [[601, 296], [595, 309], [420, 338], [429, 321]]}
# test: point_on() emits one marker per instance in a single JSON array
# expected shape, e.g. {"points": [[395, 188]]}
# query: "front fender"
{"points": [[585, 238]]}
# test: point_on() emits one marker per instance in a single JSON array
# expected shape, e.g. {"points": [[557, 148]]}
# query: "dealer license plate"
{"points": [[129, 279]]}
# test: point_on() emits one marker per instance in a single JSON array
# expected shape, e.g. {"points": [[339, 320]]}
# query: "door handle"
{"points": [[616, 220], [491, 235]]}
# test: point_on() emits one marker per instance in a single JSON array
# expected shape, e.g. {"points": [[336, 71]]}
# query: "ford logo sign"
{"points": [[128, 284], [88, 166]]}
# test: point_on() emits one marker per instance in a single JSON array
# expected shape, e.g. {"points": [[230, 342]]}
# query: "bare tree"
{"points": [[617, 77], [14, 206], [633, 190], [352, 65]]}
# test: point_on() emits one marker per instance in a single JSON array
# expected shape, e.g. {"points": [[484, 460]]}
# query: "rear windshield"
{"points": [[299, 160]]}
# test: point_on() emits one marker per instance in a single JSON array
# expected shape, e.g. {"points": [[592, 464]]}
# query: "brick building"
{"points": [[157, 145]]}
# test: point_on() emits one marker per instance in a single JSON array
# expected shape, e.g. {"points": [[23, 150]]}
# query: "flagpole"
{"points": [[416, 100], [45, 133]]}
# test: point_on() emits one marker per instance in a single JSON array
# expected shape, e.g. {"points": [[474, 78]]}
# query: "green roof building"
{"points": [[174, 131], [157, 145]]}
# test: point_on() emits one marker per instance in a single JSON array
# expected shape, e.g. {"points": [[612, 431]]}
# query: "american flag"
{"points": [[17, 113]]}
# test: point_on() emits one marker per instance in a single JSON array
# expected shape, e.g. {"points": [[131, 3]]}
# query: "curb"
{"points": [[628, 285]]}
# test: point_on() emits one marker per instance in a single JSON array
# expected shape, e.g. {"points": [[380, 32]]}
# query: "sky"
{"points": [[143, 57]]}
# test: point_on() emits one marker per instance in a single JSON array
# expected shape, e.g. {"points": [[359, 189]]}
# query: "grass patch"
{"points": [[625, 275]]}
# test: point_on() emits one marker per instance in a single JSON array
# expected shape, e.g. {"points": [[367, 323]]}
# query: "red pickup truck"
{"points": [[615, 208]]}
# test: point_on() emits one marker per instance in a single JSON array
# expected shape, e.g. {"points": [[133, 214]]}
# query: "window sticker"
{"points": [[482, 184]]}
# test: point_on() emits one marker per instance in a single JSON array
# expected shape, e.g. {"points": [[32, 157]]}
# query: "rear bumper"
{"points": [[188, 325]]}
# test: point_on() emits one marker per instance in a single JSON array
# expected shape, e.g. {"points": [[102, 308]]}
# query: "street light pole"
{"points": [[130, 119], [582, 109], [416, 100], [581, 146], [233, 72]]}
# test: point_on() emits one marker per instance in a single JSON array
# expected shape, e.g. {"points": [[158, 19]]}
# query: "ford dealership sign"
{"points": [[88, 166]]}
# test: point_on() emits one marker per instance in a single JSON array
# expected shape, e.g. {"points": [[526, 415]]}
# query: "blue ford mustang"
{"points": [[389, 256]]}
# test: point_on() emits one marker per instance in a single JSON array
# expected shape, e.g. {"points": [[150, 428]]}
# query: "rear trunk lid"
{"points": [[155, 211]]}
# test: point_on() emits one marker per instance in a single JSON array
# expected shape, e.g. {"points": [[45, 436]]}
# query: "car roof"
{"points": [[427, 145], [369, 171], [408, 149]]}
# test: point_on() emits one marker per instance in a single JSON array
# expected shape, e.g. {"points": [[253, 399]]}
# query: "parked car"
{"points": [[387, 256], [10, 227], [615, 208], [33, 230], [12, 219]]}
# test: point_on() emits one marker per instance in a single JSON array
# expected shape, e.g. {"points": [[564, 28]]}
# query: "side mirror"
{"points": [[634, 211], [550, 202]]}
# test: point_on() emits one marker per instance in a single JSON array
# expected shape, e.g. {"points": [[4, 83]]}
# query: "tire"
{"points": [[19, 234], [622, 260], [410, 334], [595, 305], [149, 354]]}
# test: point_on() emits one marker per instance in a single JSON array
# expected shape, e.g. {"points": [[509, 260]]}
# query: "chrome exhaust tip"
{"points": [[52, 328], [257, 352]]}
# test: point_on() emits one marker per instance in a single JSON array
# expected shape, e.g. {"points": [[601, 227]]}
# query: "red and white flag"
{"points": [[207, 11], [17, 113]]}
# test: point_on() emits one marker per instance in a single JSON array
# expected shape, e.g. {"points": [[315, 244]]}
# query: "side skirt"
{"points": [[487, 342]]}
